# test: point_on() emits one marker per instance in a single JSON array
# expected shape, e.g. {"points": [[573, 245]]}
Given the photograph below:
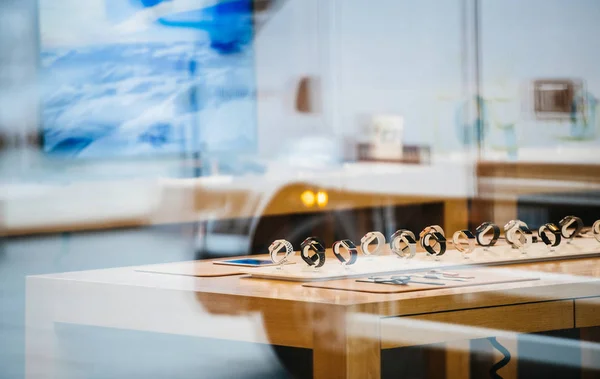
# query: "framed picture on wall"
{"points": [[133, 78]]}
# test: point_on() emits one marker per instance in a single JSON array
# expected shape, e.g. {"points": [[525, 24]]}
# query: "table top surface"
{"points": [[558, 280]]}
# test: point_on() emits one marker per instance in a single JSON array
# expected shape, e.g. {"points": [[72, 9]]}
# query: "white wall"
{"points": [[398, 56], [288, 48], [527, 40], [406, 57]]}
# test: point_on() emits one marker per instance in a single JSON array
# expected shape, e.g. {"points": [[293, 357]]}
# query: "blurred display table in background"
{"points": [[505, 191], [32, 208], [494, 183]]}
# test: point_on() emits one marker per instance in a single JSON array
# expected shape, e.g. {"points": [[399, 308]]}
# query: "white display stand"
{"points": [[391, 264]]}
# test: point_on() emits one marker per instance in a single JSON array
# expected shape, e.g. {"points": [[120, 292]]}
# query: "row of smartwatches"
{"points": [[403, 242]]}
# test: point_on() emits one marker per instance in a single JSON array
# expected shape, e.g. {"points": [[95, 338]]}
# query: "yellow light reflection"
{"points": [[308, 198], [322, 198]]}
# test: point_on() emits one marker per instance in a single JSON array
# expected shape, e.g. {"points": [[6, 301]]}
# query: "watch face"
{"points": [[483, 228], [438, 236], [553, 228], [349, 244], [310, 241], [468, 234], [438, 229], [570, 220], [318, 246], [431, 229], [409, 238], [524, 239]]}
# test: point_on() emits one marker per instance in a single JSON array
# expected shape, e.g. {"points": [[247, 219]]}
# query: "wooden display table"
{"points": [[500, 185], [346, 330]]}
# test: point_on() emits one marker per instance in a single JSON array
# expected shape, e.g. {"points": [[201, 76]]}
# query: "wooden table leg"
{"points": [[346, 344], [456, 215], [458, 359], [434, 361], [590, 358], [481, 358]]}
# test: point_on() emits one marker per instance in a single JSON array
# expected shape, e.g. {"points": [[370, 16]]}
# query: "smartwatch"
{"points": [[522, 237], [464, 241], [434, 243], [403, 243], [276, 247], [550, 234], [370, 237], [312, 252], [428, 229], [511, 228], [570, 222], [431, 228], [485, 228], [596, 230], [350, 247]]}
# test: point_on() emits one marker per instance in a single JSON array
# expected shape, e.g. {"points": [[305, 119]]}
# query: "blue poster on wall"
{"points": [[146, 77]]}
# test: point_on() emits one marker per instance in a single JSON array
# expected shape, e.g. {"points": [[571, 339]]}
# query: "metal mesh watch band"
{"points": [[276, 247], [314, 244]]}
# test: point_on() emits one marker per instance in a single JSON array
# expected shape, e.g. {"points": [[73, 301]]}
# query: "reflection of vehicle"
{"points": [[251, 235], [285, 214]]}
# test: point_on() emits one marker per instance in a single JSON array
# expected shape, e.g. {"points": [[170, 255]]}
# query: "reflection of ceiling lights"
{"points": [[309, 198], [322, 198]]}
